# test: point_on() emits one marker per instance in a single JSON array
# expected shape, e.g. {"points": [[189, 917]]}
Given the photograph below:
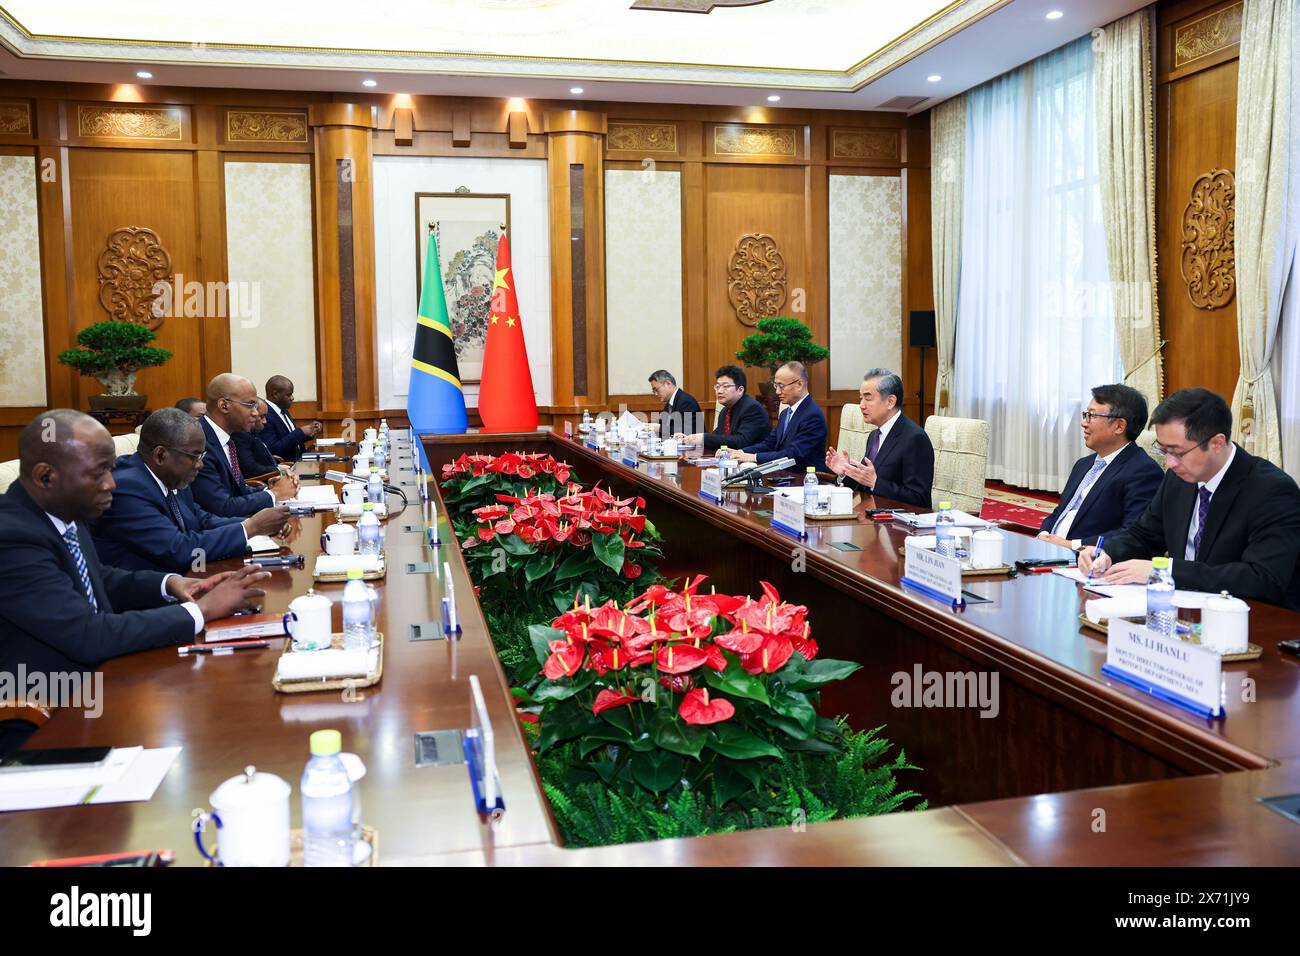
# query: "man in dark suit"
{"points": [[1109, 489], [254, 457], [283, 437], [681, 411], [800, 431], [154, 524], [194, 407], [61, 611], [220, 486], [1229, 520], [742, 420], [899, 463]]}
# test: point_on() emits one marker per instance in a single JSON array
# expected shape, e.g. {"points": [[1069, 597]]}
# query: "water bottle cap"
{"points": [[945, 505], [374, 469], [811, 470], [326, 743], [1160, 564], [355, 574], [368, 506], [722, 448]]}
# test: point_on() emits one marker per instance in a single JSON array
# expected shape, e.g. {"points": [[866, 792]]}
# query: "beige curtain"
{"points": [[1125, 163], [947, 172], [1265, 215]]}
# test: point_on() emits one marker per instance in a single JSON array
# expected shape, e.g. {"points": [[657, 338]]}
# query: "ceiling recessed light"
{"points": [[575, 90], [774, 98], [369, 83], [144, 74], [1055, 15], [933, 78]]}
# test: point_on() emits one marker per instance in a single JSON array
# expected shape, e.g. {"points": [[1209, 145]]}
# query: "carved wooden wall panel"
{"points": [[870, 145], [642, 137], [1209, 255], [265, 126], [756, 279], [1207, 35], [755, 141], [133, 261], [16, 118], [130, 122]]}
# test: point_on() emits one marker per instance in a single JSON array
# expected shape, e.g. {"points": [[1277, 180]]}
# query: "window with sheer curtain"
{"points": [[1035, 326]]}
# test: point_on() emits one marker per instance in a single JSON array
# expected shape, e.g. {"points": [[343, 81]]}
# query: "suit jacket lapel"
{"points": [[1109, 474], [1221, 501], [223, 458], [888, 444]]}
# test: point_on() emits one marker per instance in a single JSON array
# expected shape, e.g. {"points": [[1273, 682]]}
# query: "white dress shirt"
{"points": [[284, 416], [1189, 552], [884, 430], [62, 527], [1062, 528], [223, 440]]}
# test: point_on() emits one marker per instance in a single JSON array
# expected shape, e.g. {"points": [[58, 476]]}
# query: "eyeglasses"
{"points": [[723, 386], [1088, 416], [252, 404], [1180, 455], [781, 385], [197, 459]]}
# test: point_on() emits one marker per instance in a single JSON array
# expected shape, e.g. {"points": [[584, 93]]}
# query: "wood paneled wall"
{"points": [[1196, 121], [154, 157]]}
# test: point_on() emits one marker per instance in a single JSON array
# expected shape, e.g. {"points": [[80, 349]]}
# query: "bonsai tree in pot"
{"points": [[113, 352], [777, 341]]}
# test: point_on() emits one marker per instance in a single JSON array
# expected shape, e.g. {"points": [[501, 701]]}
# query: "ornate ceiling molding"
{"points": [[948, 21], [1209, 260]]}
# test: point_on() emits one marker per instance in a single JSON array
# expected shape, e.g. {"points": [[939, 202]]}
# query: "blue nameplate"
{"points": [[931, 592], [1200, 710]]}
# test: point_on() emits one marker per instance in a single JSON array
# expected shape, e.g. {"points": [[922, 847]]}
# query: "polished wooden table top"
{"points": [[225, 715], [1029, 629]]}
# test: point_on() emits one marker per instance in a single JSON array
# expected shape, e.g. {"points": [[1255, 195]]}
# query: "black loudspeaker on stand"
{"points": [[921, 336]]}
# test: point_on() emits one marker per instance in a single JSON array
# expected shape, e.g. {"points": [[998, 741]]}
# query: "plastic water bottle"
{"points": [[368, 530], [326, 804], [381, 456], [724, 459], [1160, 598], [944, 523], [383, 429], [375, 487], [810, 492], [586, 421], [358, 610]]}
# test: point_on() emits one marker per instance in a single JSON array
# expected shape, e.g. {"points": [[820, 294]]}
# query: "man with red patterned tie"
{"points": [[899, 463], [742, 420], [219, 487]]}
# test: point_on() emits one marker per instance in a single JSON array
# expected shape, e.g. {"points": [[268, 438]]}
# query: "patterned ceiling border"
{"points": [[950, 20]]}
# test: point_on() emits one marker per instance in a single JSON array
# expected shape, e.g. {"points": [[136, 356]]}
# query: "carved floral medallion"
{"points": [[1209, 249], [756, 279], [131, 265]]}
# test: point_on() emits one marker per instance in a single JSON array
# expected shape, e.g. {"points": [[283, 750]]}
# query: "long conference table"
{"points": [[1075, 769]]}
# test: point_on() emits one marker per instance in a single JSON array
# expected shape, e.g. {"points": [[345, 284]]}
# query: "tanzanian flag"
{"points": [[436, 400]]}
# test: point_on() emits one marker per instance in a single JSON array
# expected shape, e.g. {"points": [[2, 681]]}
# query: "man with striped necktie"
{"points": [[61, 611]]}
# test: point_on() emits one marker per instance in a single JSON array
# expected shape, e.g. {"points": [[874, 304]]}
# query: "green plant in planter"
{"points": [[113, 352], [777, 341]]}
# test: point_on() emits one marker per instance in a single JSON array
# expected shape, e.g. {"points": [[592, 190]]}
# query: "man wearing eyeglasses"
{"points": [[899, 462], [154, 523], [741, 420], [800, 431], [220, 486], [1229, 520], [254, 457], [681, 410], [1109, 489]]}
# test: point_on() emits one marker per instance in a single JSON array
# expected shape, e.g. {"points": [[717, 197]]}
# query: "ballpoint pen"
{"points": [[220, 647], [1095, 554]]}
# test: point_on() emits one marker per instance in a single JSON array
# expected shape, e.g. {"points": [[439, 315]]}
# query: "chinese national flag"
{"points": [[505, 397]]}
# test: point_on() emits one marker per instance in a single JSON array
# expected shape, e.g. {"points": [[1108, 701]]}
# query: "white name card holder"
{"points": [[1187, 675], [787, 514], [934, 575], [711, 485], [480, 755], [568, 430]]}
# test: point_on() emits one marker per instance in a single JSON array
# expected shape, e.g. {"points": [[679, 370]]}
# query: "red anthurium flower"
{"points": [[724, 604], [682, 621], [491, 512], [505, 526], [805, 646], [697, 709], [508, 499], [679, 684], [631, 571], [565, 659], [716, 660], [680, 658], [770, 591], [617, 625], [526, 472], [486, 534], [609, 699], [741, 642], [770, 656]]}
